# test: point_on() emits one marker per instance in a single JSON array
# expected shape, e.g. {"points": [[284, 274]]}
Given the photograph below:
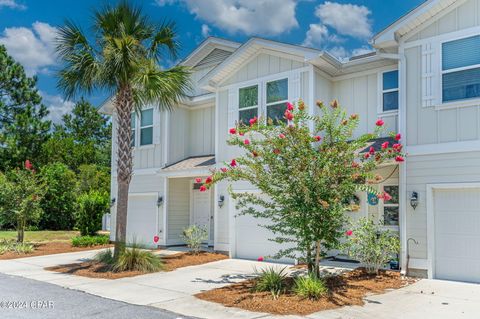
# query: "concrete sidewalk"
{"points": [[174, 291]]}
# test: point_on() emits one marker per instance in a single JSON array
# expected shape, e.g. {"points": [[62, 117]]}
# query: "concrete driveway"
{"points": [[173, 291]]}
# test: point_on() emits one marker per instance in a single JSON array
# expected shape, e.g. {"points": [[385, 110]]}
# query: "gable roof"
{"points": [[389, 36], [249, 49], [208, 46]]}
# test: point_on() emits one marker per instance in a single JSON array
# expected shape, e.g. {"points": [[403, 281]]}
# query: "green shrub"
{"points": [[88, 241], [59, 201], [370, 244], [91, 207], [194, 236], [105, 257], [272, 280], [136, 259], [12, 246], [93, 177], [310, 287]]}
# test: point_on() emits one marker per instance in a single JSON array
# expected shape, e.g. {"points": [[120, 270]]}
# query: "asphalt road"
{"points": [[22, 298]]}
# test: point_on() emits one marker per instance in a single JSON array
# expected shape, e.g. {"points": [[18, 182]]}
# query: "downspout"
{"points": [[402, 128]]}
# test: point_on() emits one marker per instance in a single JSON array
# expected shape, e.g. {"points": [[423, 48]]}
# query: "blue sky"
{"points": [[27, 28]]}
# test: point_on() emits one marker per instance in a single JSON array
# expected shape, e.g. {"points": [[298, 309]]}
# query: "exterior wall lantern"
{"points": [[160, 201], [414, 200], [112, 202], [221, 201]]}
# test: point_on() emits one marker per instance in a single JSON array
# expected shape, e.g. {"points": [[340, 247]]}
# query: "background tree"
{"points": [[59, 200], [123, 58], [23, 124], [20, 195], [305, 177]]}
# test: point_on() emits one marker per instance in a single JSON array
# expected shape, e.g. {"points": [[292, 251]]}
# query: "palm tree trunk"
{"points": [[124, 108]]}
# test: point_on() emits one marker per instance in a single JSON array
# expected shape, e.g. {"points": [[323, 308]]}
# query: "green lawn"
{"points": [[41, 236]]}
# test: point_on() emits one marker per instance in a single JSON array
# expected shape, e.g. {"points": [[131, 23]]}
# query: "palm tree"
{"points": [[123, 59]]}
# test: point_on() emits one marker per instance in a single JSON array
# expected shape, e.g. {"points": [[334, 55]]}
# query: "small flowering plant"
{"points": [[370, 244], [307, 173]]}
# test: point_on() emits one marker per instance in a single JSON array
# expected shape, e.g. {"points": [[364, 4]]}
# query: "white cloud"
{"points": [[205, 30], [34, 48], [347, 19], [162, 3], [362, 50], [319, 36], [57, 106], [251, 17], [12, 4]]}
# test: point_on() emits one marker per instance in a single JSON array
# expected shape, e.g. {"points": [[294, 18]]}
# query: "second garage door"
{"points": [[457, 234]]}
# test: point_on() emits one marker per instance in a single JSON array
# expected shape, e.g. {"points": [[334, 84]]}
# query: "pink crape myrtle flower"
{"points": [[288, 115], [379, 122], [203, 188], [253, 121], [208, 180], [223, 169], [281, 135], [246, 142], [349, 232], [233, 131], [385, 145], [289, 106], [198, 180], [398, 137], [233, 163], [399, 159], [28, 165], [317, 138]]}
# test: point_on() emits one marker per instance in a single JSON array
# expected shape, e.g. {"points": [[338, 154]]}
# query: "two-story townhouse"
{"points": [[423, 80]]}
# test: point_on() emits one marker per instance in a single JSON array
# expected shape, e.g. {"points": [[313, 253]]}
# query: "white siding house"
{"points": [[423, 80]]}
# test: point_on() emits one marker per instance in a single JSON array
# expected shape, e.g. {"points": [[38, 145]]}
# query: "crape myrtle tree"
{"points": [[307, 176], [122, 58]]}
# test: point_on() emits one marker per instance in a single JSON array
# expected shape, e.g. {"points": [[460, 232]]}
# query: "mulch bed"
{"points": [[93, 269], [49, 248], [344, 290]]}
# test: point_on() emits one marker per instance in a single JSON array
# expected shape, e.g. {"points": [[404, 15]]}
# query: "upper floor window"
{"points": [[248, 103], [461, 69], [277, 96], [146, 127], [390, 91]]}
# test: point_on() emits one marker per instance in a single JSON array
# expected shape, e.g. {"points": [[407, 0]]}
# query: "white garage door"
{"points": [[457, 234], [251, 240], [142, 219]]}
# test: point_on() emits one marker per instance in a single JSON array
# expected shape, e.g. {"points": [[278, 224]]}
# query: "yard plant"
{"points": [[307, 168], [123, 59], [194, 236], [133, 258], [310, 287], [271, 279], [371, 244], [89, 241]]}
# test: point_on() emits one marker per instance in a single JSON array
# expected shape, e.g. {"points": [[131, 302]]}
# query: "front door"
{"points": [[202, 209]]}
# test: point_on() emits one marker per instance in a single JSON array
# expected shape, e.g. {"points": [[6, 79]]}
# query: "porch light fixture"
{"points": [[160, 201], [221, 201], [414, 200], [112, 202]]}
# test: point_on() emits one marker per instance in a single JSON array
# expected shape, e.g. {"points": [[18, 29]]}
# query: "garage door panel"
{"points": [[141, 219], [252, 240], [457, 234]]}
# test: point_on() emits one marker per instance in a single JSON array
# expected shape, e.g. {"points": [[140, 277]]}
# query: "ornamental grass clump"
{"points": [[272, 280], [310, 287], [306, 168], [132, 259]]}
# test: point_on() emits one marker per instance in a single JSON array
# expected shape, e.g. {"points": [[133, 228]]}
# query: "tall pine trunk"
{"points": [[124, 108], [20, 230]]}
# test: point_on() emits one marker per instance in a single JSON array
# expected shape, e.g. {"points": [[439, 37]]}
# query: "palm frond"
{"points": [[165, 38], [163, 88]]}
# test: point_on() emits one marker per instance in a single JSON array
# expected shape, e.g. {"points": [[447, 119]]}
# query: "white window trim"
{"points": [[262, 93], [249, 107], [381, 91], [382, 205], [140, 127], [457, 103], [134, 129]]}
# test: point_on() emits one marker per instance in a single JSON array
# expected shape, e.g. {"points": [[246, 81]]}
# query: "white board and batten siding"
{"points": [[178, 209], [428, 120]]}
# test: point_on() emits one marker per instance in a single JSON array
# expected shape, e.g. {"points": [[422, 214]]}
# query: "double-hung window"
{"points": [[146, 127], [133, 126], [277, 97], [247, 104], [390, 91], [391, 207], [461, 69]]}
